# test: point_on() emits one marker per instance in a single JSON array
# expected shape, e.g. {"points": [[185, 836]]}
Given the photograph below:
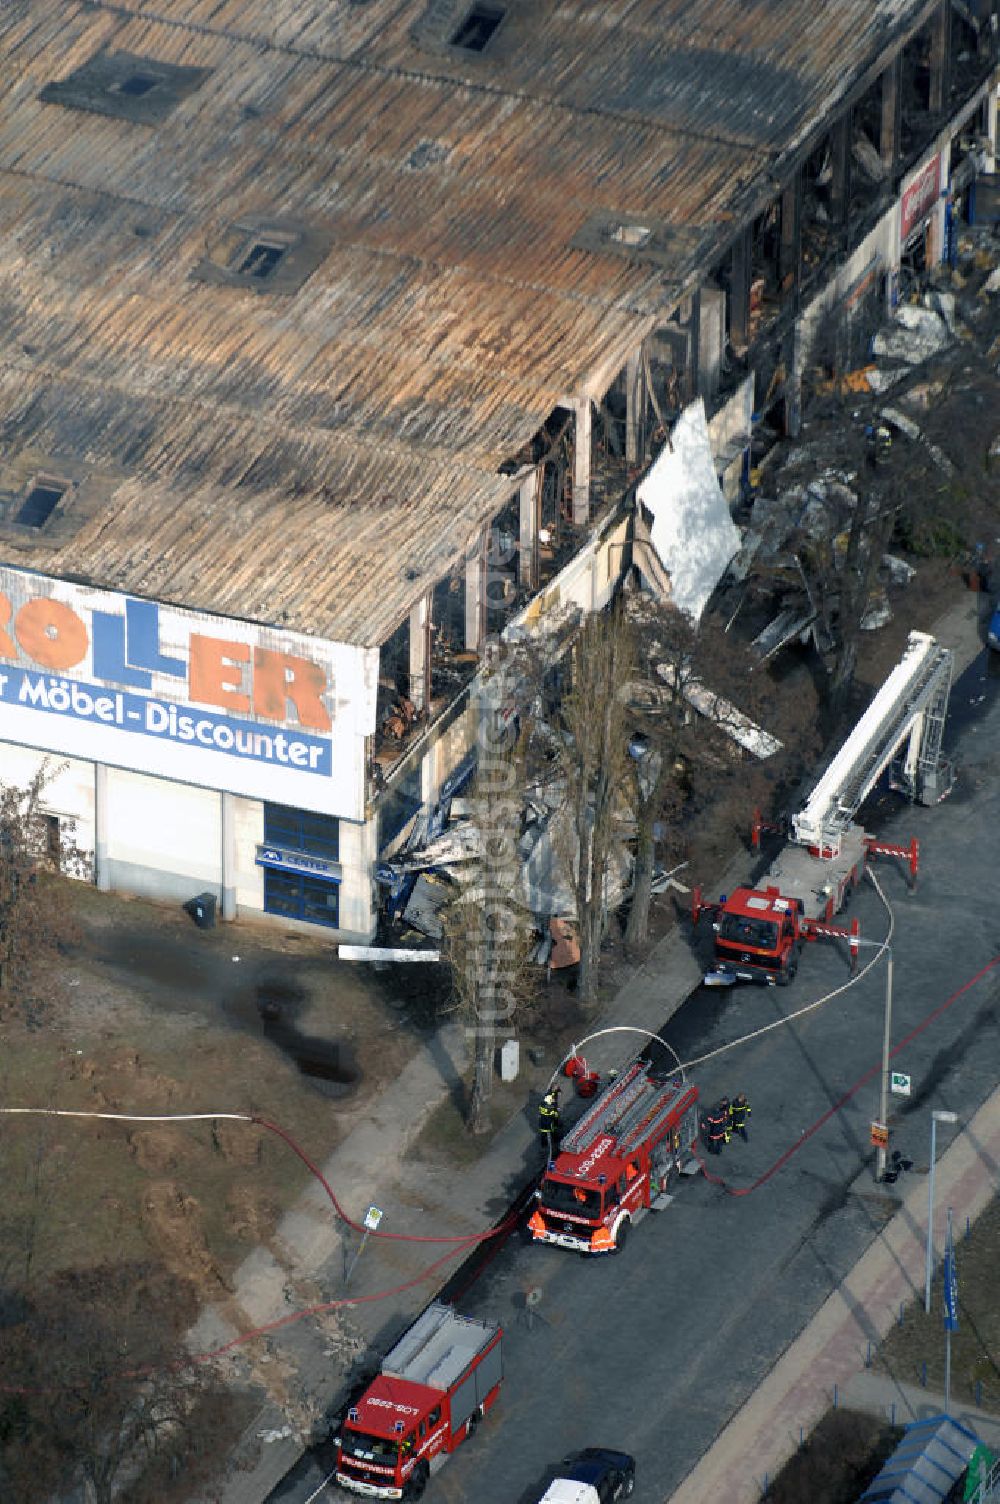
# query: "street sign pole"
{"points": [[373, 1217], [880, 1153]]}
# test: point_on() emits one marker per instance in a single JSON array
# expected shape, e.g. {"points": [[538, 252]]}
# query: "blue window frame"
{"points": [[300, 830], [315, 900]]}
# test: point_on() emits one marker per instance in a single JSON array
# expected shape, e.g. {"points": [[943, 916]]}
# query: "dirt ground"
{"points": [[149, 1014], [836, 1462]]}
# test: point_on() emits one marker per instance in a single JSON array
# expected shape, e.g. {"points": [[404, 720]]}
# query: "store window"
{"points": [[292, 895], [299, 830]]}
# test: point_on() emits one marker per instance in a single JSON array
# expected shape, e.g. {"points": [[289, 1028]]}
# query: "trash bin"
{"points": [[202, 910]]}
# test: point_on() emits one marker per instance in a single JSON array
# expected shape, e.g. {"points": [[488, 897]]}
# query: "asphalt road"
{"points": [[652, 1351]]}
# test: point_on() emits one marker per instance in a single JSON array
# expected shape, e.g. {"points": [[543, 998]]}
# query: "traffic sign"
{"points": [[899, 1084], [880, 1136]]}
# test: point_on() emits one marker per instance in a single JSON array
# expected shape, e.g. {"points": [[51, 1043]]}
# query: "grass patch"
{"points": [[837, 1461], [975, 1347]]}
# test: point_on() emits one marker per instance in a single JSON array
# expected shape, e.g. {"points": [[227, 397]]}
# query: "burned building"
{"points": [[335, 336]]}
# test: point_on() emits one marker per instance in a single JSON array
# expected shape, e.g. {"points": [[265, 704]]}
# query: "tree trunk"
{"points": [[478, 1118], [637, 928], [589, 965]]}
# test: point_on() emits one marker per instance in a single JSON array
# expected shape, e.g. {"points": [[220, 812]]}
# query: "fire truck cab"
{"points": [[436, 1384], [617, 1162]]}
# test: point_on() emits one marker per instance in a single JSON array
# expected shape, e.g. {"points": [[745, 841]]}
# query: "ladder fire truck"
{"points": [[759, 932], [617, 1161], [434, 1387]]}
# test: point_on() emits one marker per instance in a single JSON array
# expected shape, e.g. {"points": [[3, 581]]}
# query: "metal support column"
{"points": [[790, 252], [102, 875], [739, 293], [228, 854], [891, 117], [840, 191], [940, 91]]}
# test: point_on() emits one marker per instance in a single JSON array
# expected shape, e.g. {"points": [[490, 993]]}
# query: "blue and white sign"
{"points": [[284, 860], [227, 704], [950, 1283]]}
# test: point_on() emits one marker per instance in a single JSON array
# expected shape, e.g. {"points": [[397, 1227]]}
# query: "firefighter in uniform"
{"points": [[549, 1125], [725, 1111], [715, 1125], [738, 1114]]}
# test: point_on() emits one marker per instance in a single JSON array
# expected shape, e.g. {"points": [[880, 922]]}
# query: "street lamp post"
{"points": [[936, 1117], [886, 1035]]}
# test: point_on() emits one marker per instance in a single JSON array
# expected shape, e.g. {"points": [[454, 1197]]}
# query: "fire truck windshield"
{"points": [[576, 1199], [368, 1448], [739, 929]]}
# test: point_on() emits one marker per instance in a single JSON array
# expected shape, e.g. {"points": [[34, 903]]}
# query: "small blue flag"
{"points": [[950, 1283]]}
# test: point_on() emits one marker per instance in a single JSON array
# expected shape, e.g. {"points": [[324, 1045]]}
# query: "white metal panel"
{"points": [[207, 700], [164, 839]]}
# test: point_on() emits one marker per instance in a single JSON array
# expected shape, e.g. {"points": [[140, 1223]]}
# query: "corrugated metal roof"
{"points": [[342, 435]]}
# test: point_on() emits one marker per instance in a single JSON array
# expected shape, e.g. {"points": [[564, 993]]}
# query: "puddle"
{"points": [[327, 1064]]}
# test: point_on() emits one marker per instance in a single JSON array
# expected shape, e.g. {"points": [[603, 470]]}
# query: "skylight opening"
{"points": [[477, 29], [261, 260], [40, 503]]}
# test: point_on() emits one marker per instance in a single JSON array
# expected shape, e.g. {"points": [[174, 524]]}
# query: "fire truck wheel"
{"points": [[621, 1236], [788, 975], [471, 1424], [418, 1482]]}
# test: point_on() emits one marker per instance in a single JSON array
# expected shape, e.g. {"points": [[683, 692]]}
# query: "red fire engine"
{"points": [[617, 1161], [434, 1387], [759, 932]]}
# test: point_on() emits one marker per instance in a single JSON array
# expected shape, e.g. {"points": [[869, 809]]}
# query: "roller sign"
{"points": [[212, 700]]}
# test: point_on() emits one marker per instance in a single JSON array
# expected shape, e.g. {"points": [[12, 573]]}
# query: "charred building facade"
{"points": [[335, 338]]}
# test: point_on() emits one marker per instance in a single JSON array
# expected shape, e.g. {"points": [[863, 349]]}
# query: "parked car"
{"points": [[593, 1476]]}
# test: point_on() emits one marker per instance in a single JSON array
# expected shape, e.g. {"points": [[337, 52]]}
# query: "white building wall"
{"points": [[68, 793], [164, 840], [248, 819], [358, 852]]}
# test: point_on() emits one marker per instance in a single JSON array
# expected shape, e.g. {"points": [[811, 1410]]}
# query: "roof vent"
{"points": [[127, 87]]}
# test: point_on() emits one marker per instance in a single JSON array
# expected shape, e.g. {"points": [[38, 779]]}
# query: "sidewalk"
{"points": [[306, 1262], [901, 1403], [831, 1350], [365, 1169]]}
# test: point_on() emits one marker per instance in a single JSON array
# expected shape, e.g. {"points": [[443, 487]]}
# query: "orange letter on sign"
{"points": [[51, 633], [6, 644], [216, 675], [280, 677]]}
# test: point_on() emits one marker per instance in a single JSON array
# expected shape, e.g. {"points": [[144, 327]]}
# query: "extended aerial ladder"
{"points": [[902, 729], [826, 853]]}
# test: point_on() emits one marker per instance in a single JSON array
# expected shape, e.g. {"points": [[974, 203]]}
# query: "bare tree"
{"points": [[486, 935], [36, 917], [96, 1393], [713, 738], [593, 757], [871, 528]]}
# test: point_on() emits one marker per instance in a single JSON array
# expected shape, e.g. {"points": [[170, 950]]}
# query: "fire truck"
{"points": [[433, 1389], [618, 1161], [760, 932]]}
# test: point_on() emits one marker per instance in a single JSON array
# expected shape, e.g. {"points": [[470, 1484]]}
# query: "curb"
{"points": [[831, 1350]]}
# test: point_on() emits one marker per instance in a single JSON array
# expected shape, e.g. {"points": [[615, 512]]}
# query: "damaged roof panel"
{"points": [[442, 301]]}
